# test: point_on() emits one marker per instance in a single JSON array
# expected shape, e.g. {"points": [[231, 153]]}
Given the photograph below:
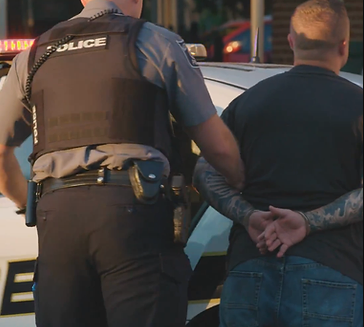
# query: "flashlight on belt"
{"points": [[30, 211]]}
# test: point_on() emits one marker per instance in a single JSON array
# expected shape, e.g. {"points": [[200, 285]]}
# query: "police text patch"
{"points": [[191, 59], [82, 45]]}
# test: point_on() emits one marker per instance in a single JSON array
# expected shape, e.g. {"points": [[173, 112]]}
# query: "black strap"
{"points": [[32, 54]]}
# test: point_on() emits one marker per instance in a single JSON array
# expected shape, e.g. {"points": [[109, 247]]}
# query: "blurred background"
{"points": [[223, 26]]}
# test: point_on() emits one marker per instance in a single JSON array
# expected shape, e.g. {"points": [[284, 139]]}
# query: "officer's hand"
{"points": [[258, 223], [288, 230]]}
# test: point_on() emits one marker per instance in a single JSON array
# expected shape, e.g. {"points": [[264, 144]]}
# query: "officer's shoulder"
{"points": [[20, 61], [153, 31]]}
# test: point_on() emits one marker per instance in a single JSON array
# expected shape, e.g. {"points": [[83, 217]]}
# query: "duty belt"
{"points": [[89, 178]]}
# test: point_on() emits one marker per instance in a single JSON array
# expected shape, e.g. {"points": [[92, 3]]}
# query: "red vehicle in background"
{"points": [[231, 42], [237, 45], [217, 34]]}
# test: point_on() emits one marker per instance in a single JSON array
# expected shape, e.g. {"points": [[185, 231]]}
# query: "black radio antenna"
{"points": [[256, 59]]}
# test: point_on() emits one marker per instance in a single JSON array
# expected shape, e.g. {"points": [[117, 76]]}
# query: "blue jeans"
{"points": [[290, 292]]}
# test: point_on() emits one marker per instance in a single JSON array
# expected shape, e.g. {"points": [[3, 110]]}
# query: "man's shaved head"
{"points": [[128, 7], [319, 28]]}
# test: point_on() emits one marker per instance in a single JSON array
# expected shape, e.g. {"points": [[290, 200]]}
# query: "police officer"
{"points": [[98, 90]]}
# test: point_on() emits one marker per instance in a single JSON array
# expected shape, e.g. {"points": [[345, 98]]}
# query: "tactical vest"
{"points": [[91, 92]]}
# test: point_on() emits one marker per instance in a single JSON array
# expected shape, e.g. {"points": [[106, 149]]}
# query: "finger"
{"points": [[263, 251], [276, 244], [270, 230], [278, 212], [284, 248], [269, 241], [266, 215], [261, 237], [261, 245]]}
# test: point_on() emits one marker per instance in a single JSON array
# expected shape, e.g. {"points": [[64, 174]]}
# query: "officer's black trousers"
{"points": [[107, 261]]}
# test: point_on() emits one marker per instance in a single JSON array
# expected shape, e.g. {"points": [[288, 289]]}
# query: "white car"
{"points": [[209, 233]]}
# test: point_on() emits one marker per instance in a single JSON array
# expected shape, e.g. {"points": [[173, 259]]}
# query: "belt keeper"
{"points": [[38, 193]]}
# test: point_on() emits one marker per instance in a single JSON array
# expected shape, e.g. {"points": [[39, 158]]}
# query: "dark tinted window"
{"points": [[33, 17]]}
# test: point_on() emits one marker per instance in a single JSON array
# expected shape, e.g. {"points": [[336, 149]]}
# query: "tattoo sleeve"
{"points": [[222, 197], [345, 211]]}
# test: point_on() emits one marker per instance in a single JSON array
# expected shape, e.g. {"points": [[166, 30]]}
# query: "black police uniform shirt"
{"points": [[298, 141], [163, 60]]}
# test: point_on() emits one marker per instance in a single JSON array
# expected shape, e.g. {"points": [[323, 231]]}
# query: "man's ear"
{"points": [[84, 2], [291, 41], [344, 48]]}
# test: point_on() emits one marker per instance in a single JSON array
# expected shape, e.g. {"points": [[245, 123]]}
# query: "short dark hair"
{"points": [[320, 25]]}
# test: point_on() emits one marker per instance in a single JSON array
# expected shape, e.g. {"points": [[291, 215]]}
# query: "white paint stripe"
{"points": [[22, 297], [23, 278]]}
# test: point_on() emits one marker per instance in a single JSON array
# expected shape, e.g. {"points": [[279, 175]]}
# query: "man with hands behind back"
{"points": [[300, 136]]}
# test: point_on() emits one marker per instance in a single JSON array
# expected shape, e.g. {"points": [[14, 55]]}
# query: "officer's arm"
{"points": [[13, 131], [217, 193], [13, 185], [192, 106], [214, 189], [219, 148]]}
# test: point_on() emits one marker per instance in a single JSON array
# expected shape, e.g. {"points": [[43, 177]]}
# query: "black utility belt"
{"points": [[145, 177], [89, 178]]}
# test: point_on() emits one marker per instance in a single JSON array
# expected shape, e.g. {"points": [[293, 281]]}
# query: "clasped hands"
{"points": [[277, 229]]}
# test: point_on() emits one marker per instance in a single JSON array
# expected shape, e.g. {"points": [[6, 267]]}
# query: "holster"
{"points": [[146, 178]]}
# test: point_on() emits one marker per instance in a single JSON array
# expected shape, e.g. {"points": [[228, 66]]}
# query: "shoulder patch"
{"points": [[191, 59]]}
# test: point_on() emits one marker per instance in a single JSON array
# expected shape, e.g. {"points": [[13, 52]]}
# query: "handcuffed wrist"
{"points": [[308, 223]]}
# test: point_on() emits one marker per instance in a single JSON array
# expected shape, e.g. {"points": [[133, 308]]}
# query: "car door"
{"points": [[18, 251]]}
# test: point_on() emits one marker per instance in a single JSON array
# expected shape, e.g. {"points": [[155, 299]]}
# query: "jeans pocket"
{"points": [[328, 304], [240, 299]]}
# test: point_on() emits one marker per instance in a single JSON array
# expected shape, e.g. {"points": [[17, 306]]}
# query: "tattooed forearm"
{"points": [[345, 211], [222, 197]]}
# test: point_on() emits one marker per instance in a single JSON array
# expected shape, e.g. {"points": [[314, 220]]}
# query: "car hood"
{"points": [[247, 75]]}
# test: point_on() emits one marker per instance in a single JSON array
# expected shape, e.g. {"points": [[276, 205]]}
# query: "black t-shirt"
{"points": [[299, 138]]}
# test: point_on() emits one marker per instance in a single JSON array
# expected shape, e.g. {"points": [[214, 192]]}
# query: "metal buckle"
{"points": [[101, 179]]}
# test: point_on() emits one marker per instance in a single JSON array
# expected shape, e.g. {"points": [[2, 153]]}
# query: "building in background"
{"points": [[282, 11]]}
